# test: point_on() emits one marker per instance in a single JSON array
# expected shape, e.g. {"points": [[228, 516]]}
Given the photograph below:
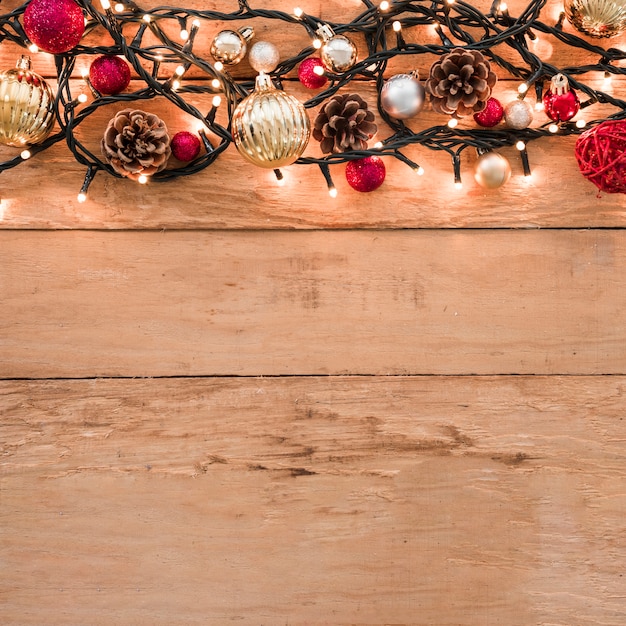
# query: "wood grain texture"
{"points": [[83, 304], [449, 501]]}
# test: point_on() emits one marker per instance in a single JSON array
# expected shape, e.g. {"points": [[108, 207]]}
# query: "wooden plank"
{"points": [[42, 192], [82, 304], [431, 500]]}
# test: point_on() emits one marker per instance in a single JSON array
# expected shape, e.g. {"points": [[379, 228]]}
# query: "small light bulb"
{"points": [[319, 70], [217, 100], [503, 7], [105, 4], [332, 192], [397, 27], [84, 72], [196, 23], [143, 179], [553, 128], [539, 106], [119, 8], [317, 44], [82, 98], [523, 88], [218, 65], [384, 6], [449, 2], [179, 71], [520, 145], [378, 145], [298, 12], [81, 197], [33, 48], [25, 154], [146, 18], [458, 185], [216, 83], [420, 171], [453, 122], [175, 85], [581, 123], [184, 34]]}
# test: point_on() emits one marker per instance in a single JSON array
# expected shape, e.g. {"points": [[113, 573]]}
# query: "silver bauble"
{"points": [[402, 96], [597, 18], [230, 46], [270, 128], [492, 170], [518, 114], [264, 57], [338, 54]]}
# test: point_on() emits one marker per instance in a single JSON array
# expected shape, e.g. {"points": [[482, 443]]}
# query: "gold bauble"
{"points": [[270, 128], [597, 18], [26, 106]]}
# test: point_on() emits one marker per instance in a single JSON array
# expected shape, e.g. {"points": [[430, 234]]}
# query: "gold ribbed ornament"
{"points": [[597, 18], [270, 128], [26, 106]]}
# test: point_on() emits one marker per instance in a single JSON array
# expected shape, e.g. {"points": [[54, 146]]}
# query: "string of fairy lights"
{"points": [[161, 62]]}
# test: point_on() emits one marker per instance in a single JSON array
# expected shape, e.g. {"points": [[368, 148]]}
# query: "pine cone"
{"points": [[136, 143], [344, 123], [460, 83]]}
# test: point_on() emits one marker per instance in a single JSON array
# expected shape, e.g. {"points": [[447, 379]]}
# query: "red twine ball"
{"points": [[601, 155], [109, 74], [366, 174], [491, 115], [307, 75], [55, 26], [185, 146]]}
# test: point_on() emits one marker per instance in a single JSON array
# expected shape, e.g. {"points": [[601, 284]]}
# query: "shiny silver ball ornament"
{"points": [[402, 96], [264, 56], [338, 53], [518, 114], [492, 170], [270, 128], [230, 46]]}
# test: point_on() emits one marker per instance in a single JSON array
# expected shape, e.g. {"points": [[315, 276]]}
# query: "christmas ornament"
{"points": [[402, 96], [491, 115], [518, 114], [597, 18], [264, 56], [136, 143], [344, 123], [338, 53], [311, 73], [366, 174], [270, 128], [27, 106], [230, 46], [185, 146], [561, 103], [492, 170], [601, 155], [109, 74], [460, 83], [55, 26]]}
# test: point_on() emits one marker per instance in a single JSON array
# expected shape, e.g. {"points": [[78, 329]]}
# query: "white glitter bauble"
{"points": [[264, 56], [518, 114]]}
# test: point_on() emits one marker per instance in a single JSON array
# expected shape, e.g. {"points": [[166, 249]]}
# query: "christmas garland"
{"points": [[271, 128]]}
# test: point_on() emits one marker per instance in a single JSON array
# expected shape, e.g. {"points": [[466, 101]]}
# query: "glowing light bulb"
{"points": [[25, 154], [523, 88], [581, 123], [143, 179], [175, 85], [179, 71], [458, 185], [319, 70], [184, 34], [539, 106], [384, 5], [82, 98], [196, 23], [520, 145], [81, 197], [378, 145], [317, 44], [332, 192], [105, 4], [33, 48], [503, 8], [553, 128], [146, 18], [397, 27], [216, 83], [298, 12], [420, 171], [217, 100], [453, 122], [119, 8], [218, 65]]}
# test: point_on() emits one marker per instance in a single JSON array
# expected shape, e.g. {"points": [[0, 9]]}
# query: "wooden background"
{"points": [[227, 401]]}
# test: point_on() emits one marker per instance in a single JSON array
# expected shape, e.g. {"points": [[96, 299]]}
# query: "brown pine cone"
{"points": [[344, 123], [136, 143], [460, 83]]}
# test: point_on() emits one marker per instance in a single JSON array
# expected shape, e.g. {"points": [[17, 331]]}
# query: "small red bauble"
{"points": [[185, 146], [491, 115], [55, 26], [560, 102], [366, 174], [309, 77], [601, 155], [109, 74]]}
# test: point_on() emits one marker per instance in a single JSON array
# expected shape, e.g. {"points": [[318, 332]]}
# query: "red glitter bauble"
{"points": [[109, 74], [366, 174], [55, 26], [185, 146], [491, 115], [561, 107], [307, 75], [601, 155]]}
